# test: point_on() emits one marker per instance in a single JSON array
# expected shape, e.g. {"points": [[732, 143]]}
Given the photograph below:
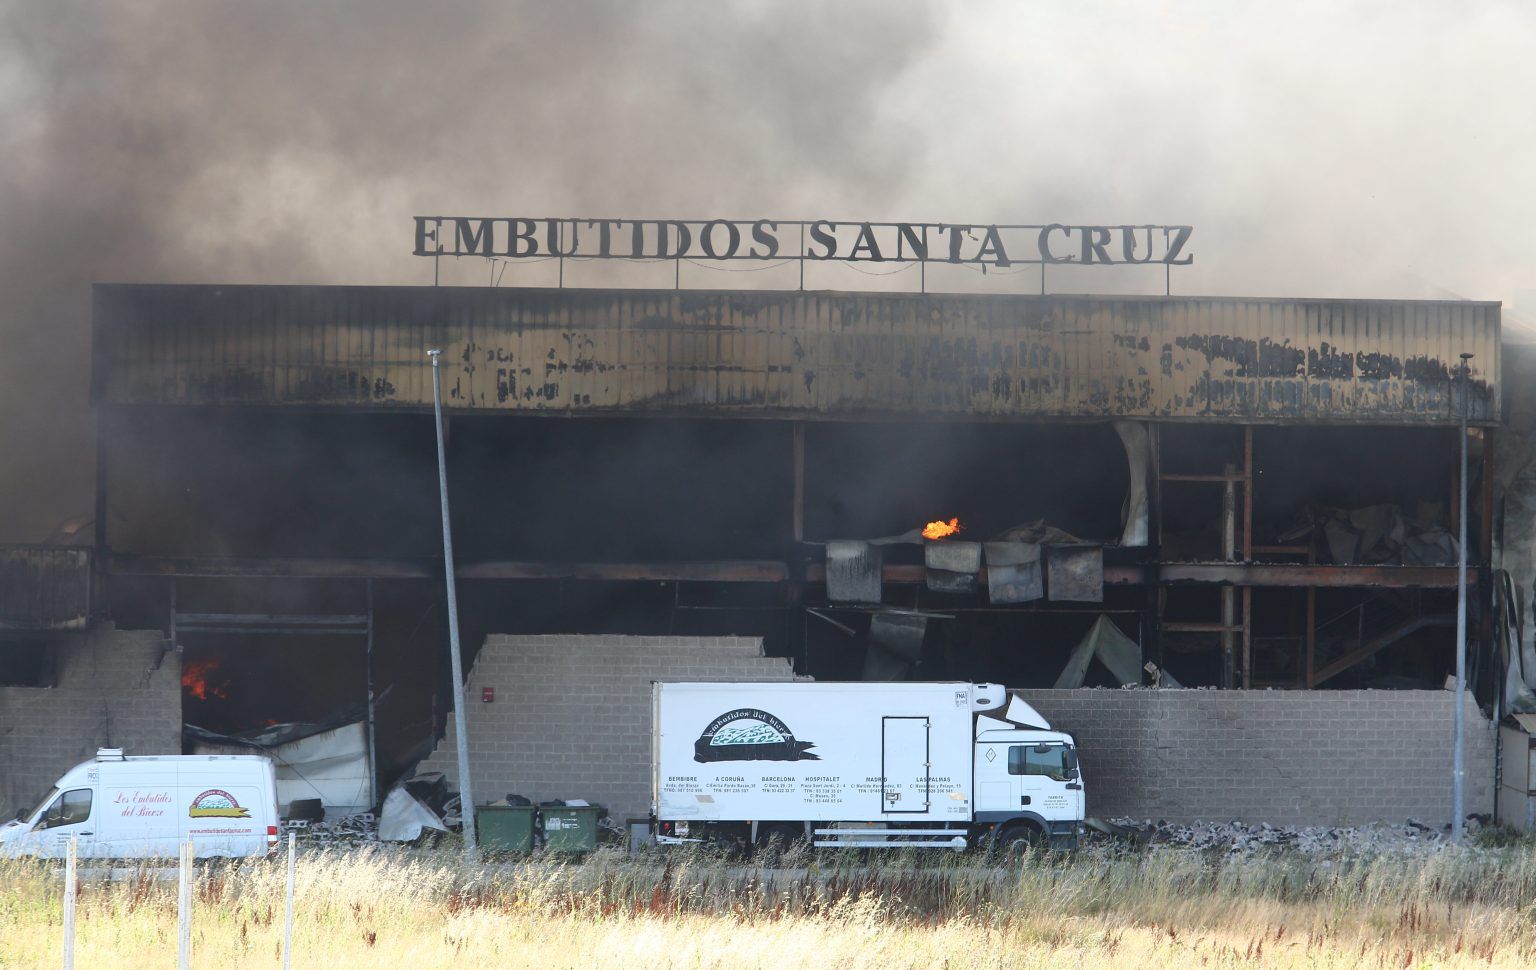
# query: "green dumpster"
{"points": [[571, 828], [504, 828]]}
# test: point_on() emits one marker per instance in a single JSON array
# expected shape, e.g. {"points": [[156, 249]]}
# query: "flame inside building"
{"points": [[1255, 493], [201, 680], [940, 529]]}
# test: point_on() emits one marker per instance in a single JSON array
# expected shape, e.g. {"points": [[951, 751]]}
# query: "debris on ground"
{"points": [[1244, 838], [356, 829]]}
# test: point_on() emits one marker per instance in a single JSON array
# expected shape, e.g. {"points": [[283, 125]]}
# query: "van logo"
{"points": [[748, 734], [215, 803]]}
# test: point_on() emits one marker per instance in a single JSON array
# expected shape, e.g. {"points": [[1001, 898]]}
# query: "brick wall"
{"points": [[116, 689], [572, 719], [1284, 757], [572, 715]]}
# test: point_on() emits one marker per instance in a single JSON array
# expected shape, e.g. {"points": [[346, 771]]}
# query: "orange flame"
{"points": [[940, 529], [194, 680]]}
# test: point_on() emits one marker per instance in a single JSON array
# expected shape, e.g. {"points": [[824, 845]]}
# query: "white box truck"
{"points": [[118, 807], [864, 765]]}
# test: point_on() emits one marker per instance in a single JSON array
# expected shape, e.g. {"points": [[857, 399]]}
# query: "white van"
{"points": [[145, 807]]}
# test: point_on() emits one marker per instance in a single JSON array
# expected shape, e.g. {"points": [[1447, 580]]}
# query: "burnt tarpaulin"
{"points": [[895, 645], [853, 571], [404, 817], [1138, 456], [1116, 651], [1379, 534], [1515, 654], [1075, 573], [952, 566], [1013, 572], [330, 763]]}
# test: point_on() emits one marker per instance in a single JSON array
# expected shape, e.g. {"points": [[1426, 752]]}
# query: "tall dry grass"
{"points": [[1100, 908]]}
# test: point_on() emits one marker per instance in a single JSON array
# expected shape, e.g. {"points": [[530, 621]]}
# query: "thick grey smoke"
{"points": [[1323, 149], [292, 142]]}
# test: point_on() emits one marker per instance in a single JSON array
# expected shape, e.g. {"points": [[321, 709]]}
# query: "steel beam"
{"points": [[727, 571], [1370, 649], [269, 567], [1298, 575]]}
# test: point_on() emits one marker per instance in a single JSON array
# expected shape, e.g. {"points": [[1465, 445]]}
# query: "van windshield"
{"points": [[41, 804]]}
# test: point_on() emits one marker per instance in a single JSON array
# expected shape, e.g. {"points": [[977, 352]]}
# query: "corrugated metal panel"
{"points": [[831, 354], [44, 588]]}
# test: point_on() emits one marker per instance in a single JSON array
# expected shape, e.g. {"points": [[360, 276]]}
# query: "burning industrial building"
{"points": [[1056, 493]]}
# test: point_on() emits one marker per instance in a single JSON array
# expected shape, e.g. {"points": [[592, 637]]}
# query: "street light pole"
{"points": [[461, 737], [1458, 768]]}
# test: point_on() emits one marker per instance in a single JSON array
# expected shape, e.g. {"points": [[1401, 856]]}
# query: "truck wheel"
{"points": [[1017, 839]]}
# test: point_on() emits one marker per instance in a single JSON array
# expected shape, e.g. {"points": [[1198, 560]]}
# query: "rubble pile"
{"points": [[347, 830], [1241, 838]]}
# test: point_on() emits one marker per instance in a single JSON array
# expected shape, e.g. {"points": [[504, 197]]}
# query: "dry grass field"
{"points": [[1098, 908]]}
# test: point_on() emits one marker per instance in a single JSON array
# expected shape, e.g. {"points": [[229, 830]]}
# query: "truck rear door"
{"points": [[905, 770]]}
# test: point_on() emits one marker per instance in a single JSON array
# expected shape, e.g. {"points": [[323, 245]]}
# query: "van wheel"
{"points": [[1017, 838]]}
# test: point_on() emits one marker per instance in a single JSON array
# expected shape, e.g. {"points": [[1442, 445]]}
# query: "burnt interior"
{"points": [[539, 491]]}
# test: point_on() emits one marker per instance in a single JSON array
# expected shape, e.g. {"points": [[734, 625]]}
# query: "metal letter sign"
{"points": [[768, 240]]}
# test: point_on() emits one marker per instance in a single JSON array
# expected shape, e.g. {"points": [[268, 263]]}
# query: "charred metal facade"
{"points": [[677, 463], [810, 355], [44, 589]]}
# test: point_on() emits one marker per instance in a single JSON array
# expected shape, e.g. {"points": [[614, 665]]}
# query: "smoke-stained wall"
{"points": [[116, 689]]}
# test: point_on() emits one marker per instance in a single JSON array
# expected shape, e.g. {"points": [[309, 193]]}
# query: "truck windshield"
{"points": [[41, 803], [1029, 759]]}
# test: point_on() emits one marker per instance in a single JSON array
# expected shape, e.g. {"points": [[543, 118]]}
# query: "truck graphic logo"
{"points": [[215, 803], [748, 734]]}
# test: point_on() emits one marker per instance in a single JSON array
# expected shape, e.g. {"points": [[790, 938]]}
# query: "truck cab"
{"points": [[1029, 786]]}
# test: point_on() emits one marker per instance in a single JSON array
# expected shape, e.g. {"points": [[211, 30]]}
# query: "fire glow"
{"points": [[939, 529], [195, 680]]}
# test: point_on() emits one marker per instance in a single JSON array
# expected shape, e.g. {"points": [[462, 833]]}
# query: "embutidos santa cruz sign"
{"points": [[822, 239]]}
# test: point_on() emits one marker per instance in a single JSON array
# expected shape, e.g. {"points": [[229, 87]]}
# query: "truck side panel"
{"points": [[813, 752]]}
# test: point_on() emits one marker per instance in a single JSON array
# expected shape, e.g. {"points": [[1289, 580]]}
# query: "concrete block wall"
{"points": [[1283, 757], [116, 689], [572, 715]]}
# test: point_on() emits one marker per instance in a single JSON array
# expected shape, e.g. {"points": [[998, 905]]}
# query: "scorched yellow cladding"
{"points": [[796, 354]]}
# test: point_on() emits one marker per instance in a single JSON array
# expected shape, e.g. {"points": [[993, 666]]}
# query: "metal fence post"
{"points": [[70, 876], [184, 909], [288, 913]]}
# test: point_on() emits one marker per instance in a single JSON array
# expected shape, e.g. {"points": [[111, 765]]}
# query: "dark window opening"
{"points": [[27, 663]]}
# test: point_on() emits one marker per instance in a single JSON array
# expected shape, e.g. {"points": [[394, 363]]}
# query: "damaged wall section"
{"points": [[116, 689], [1282, 757], [572, 714]]}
